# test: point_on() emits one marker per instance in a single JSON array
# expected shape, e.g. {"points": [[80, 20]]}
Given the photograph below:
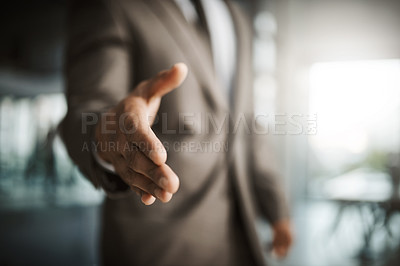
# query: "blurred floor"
{"points": [[49, 236], [318, 245], [69, 236]]}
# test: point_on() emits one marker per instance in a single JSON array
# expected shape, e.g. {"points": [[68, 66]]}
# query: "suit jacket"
{"points": [[112, 46]]}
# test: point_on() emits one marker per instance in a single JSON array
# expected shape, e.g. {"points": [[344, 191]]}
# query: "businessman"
{"points": [[160, 105]]}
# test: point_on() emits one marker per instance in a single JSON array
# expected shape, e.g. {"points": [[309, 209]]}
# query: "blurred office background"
{"points": [[327, 79]]}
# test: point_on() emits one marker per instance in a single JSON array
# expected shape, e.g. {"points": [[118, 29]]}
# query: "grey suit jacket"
{"points": [[112, 46]]}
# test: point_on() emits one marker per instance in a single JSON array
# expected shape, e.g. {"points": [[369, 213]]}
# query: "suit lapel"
{"points": [[243, 79], [198, 56]]}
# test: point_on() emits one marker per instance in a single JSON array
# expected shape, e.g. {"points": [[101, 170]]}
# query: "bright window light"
{"points": [[358, 108]]}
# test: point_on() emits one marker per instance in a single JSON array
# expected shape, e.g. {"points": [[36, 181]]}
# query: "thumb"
{"points": [[167, 80]]}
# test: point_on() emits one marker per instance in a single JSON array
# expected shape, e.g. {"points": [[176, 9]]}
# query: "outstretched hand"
{"points": [[139, 158]]}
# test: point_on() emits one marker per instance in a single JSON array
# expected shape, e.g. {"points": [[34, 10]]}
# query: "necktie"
{"points": [[214, 26], [201, 21]]}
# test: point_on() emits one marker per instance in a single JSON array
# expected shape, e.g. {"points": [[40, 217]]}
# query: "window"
{"points": [[358, 109]]}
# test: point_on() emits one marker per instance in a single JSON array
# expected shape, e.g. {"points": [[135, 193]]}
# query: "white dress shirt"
{"points": [[222, 36]]}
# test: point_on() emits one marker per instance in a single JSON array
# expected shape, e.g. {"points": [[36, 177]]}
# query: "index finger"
{"points": [[162, 175], [145, 140]]}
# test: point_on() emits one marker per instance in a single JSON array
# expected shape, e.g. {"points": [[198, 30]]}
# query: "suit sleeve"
{"points": [[268, 182], [98, 75], [264, 171]]}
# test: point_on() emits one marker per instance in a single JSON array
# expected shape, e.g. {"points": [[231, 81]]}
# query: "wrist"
{"points": [[105, 134], [281, 224]]}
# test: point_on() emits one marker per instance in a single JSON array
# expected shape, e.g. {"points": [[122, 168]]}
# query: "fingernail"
{"points": [[151, 155], [156, 158], [158, 193], [163, 182]]}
